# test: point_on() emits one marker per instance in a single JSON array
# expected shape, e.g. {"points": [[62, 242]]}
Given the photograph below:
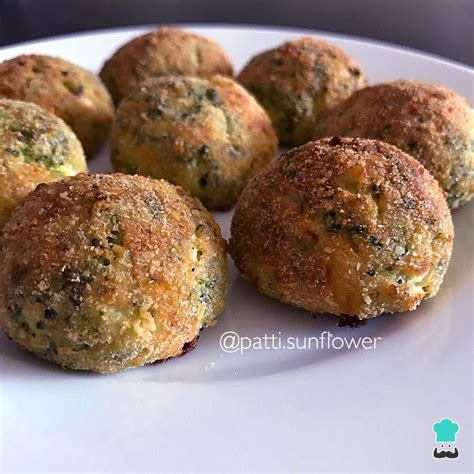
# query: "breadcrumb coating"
{"points": [[344, 226], [428, 121], [298, 82], [207, 135], [118, 271], [163, 52], [64, 89], [35, 147]]}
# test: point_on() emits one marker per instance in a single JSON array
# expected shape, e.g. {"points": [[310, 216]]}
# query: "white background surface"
{"points": [[313, 410]]}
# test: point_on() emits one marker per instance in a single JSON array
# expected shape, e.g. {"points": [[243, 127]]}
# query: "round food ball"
{"points": [[298, 82], [430, 122], [163, 52], [344, 226], [65, 89], [35, 147], [118, 271], [207, 135]]}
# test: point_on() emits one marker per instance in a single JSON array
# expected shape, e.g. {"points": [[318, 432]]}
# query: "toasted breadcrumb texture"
{"points": [[344, 226], [207, 135], [428, 121], [298, 82], [163, 52], [117, 271], [64, 89], [35, 147]]}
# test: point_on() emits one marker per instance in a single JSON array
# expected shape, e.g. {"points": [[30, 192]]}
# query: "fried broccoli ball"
{"points": [[118, 271], [35, 147], [430, 122], [207, 135], [163, 52], [298, 82], [67, 90], [350, 227]]}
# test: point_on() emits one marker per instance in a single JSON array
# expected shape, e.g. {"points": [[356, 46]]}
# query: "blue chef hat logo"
{"points": [[446, 430]]}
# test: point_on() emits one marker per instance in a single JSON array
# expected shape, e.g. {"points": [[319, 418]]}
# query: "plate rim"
{"points": [[251, 26]]}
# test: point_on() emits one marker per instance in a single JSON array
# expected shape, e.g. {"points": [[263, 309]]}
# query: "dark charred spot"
{"points": [[355, 71], [278, 61], [25, 135], [18, 274], [50, 313], [330, 222], [39, 325], [359, 229], [203, 180], [199, 230], [374, 241], [95, 243], [375, 188], [204, 150], [12, 151], [371, 273], [212, 95], [351, 322], [155, 113], [333, 227], [335, 141], [189, 346], [409, 203]]}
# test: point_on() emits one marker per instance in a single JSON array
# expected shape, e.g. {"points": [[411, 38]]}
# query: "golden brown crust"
{"points": [[163, 52], [119, 271], [207, 135], [35, 147], [430, 122], [344, 226], [188, 347], [298, 82], [64, 89]]}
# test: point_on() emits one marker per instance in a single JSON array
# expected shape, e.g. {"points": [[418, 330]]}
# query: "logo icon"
{"points": [[445, 430]]}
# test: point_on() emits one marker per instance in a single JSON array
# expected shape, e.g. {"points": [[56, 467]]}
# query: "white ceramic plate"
{"points": [[288, 410]]}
